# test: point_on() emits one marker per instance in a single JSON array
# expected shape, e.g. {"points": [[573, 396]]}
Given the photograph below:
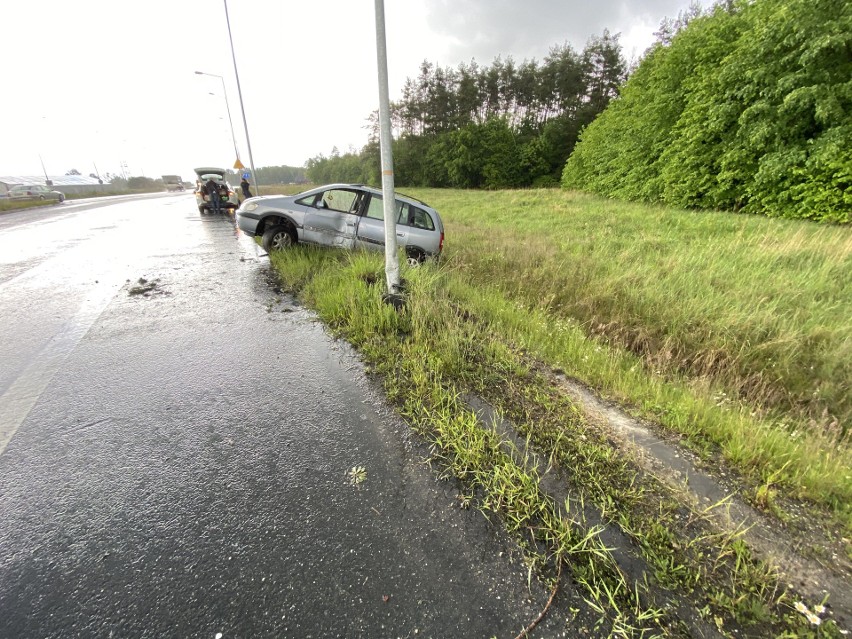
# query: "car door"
{"points": [[331, 218], [371, 227]]}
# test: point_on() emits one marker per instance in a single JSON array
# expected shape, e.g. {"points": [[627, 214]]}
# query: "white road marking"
{"points": [[17, 402]]}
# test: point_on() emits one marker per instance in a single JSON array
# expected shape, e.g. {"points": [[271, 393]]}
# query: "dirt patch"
{"points": [[806, 559], [555, 485]]}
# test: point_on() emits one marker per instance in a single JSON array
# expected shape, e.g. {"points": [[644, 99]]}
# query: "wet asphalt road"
{"points": [[174, 464]]}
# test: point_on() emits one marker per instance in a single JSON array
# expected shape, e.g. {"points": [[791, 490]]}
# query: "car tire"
{"points": [[415, 258], [61, 198], [278, 238], [201, 210], [41, 197]]}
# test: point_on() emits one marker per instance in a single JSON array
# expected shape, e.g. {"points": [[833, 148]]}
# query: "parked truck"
{"points": [[173, 183]]}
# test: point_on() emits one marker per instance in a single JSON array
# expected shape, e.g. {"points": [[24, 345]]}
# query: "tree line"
{"points": [[271, 175], [501, 125], [747, 108]]}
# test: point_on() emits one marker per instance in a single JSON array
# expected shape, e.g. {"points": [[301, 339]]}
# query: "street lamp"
{"points": [[240, 93], [386, 148], [227, 106]]}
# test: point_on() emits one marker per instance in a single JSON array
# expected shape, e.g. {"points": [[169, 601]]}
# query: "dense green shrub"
{"points": [[748, 108]]}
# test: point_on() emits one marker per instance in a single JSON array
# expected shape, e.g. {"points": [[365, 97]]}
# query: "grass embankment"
{"points": [[16, 205], [740, 324], [454, 338], [485, 322]]}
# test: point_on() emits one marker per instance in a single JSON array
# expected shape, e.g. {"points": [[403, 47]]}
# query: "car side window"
{"points": [[337, 200], [376, 209]]}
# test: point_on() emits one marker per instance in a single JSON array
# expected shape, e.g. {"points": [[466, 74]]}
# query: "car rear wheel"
{"points": [[41, 197], [278, 238], [415, 258], [61, 198]]}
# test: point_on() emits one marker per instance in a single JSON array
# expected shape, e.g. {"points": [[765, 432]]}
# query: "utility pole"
{"points": [[47, 180], [386, 143]]}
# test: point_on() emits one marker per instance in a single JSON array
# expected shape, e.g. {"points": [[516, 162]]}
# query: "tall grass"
{"points": [[452, 338], [9, 204], [737, 328], [753, 309]]}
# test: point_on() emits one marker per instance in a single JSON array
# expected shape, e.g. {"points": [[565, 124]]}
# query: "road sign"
{"points": [[238, 164]]}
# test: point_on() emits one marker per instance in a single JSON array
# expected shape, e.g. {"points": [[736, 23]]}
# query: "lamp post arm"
{"points": [[230, 121]]}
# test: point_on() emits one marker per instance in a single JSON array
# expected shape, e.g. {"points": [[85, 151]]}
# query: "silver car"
{"points": [[35, 192], [342, 215]]}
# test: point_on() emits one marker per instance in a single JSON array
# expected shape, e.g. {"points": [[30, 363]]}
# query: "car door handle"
{"points": [[400, 234]]}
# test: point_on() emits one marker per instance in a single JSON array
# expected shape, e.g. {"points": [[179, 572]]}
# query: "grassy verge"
{"points": [[283, 189], [453, 338], [16, 205], [748, 309], [736, 327]]}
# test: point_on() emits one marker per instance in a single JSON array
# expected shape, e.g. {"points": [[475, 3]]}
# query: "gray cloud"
{"points": [[483, 29]]}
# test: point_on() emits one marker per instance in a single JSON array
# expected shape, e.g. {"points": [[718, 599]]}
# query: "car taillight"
{"points": [[441, 243]]}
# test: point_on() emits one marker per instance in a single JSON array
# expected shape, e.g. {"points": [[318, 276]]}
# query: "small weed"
{"points": [[357, 475]]}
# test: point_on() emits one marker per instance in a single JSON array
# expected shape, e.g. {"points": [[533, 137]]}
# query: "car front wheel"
{"points": [[277, 238], [61, 198]]}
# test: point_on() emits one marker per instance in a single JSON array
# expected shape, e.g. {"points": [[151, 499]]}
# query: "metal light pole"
{"points": [[385, 140], [227, 106], [242, 107], [44, 170]]}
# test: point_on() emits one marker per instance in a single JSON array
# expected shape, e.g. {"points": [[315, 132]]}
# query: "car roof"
{"points": [[370, 189]]}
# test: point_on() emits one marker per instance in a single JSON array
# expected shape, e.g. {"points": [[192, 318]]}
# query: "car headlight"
{"points": [[251, 206]]}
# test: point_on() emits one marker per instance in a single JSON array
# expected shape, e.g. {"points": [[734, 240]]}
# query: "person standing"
{"points": [[213, 196], [244, 185]]}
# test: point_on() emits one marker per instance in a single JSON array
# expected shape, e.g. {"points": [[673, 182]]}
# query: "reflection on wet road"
{"points": [[176, 447], [56, 277]]}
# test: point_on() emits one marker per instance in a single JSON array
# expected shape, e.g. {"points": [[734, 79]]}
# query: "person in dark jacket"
{"points": [[244, 185], [213, 194]]}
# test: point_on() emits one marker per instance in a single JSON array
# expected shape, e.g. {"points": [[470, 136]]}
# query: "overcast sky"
{"points": [[94, 83]]}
